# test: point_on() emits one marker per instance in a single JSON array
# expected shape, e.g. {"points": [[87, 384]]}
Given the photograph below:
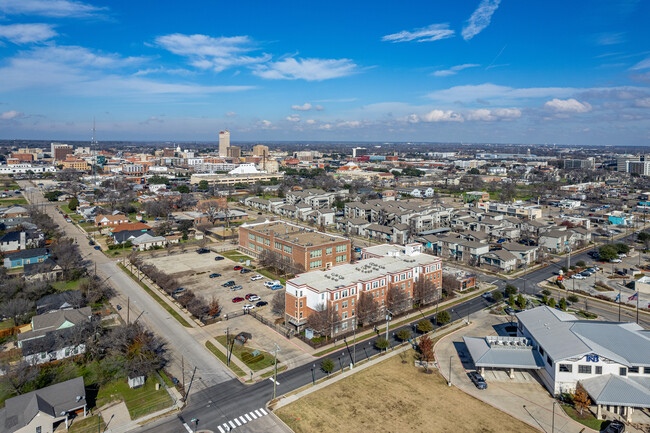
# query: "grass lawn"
{"points": [[140, 402], [222, 357], [154, 295], [64, 286], [90, 424], [587, 418], [65, 209], [5, 324], [416, 402], [236, 256], [265, 358], [12, 201]]}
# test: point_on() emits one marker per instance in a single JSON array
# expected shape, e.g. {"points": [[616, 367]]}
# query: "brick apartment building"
{"points": [[305, 247], [385, 266]]}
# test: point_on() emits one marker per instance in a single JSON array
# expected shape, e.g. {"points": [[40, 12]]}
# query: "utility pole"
{"points": [[275, 369], [388, 317], [183, 373], [553, 420], [128, 310], [449, 381], [354, 344], [227, 346]]}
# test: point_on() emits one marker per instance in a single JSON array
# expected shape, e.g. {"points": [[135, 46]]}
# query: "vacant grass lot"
{"points": [[395, 397], [140, 402], [222, 357], [64, 286], [259, 362], [12, 201], [236, 256]]}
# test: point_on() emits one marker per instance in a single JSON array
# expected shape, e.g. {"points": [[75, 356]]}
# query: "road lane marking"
{"points": [[248, 417], [226, 427], [258, 413], [253, 415], [242, 419], [237, 422], [187, 427], [232, 424], [263, 411], [276, 382], [220, 429]]}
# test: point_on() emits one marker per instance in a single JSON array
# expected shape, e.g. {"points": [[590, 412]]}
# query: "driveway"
{"points": [[522, 397]]}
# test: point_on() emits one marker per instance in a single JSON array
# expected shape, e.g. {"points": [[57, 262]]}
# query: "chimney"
{"points": [[23, 240]]}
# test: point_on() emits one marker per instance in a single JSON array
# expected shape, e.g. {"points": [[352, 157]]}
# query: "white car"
{"points": [[271, 283], [622, 255], [256, 277], [254, 298], [248, 307], [616, 261], [578, 277]]}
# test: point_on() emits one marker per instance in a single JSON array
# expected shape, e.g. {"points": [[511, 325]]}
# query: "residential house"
{"points": [[110, 220], [44, 410], [47, 270], [526, 254], [20, 240], [146, 241], [59, 301], [14, 212], [24, 257], [499, 260], [556, 240]]}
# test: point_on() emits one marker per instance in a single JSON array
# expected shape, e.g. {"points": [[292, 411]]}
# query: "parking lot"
{"points": [[193, 271]]}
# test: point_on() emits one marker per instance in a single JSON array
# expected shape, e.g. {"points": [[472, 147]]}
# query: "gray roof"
{"points": [[563, 336], [146, 238], [485, 354], [28, 253], [48, 322], [53, 400], [615, 390]]}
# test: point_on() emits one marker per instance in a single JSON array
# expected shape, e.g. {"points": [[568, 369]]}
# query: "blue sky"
{"points": [[473, 71]]}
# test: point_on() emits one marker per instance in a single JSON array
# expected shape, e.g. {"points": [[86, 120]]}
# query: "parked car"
{"points": [[119, 307], [586, 273], [245, 271], [615, 426], [203, 250], [97, 247], [622, 255], [616, 261], [179, 290], [228, 283], [215, 275], [277, 287], [237, 268], [218, 258], [236, 288], [249, 295], [237, 299], [256, 277], [578, 277], [91, 242], [248, 307], [261, 304], [477, 380], [271, 283], [254, 298], [509, 311]]}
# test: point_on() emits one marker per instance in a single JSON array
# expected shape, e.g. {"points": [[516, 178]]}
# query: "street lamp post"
{"points": [[388, 317], [449, 381], [553, 419], [313, 375]]}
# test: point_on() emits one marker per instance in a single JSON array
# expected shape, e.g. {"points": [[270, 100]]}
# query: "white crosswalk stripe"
{"points": [[232, 424], [221, 430], [187, 427], [258, 413], [237, 422], [263, 411], [248, 417], [226, 427], [253, 415], [242, 419]]}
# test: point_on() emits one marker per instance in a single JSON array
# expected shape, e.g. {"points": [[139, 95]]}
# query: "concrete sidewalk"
{"points": [[523, 398]]}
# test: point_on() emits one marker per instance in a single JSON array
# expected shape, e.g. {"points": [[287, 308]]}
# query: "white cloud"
{"points": [[325, 126], [454, 70], [265, 124], [480, 19], [487, 115], [306, 69], [310, 121], [349, 124], [434, 32], [206, 52], [306, 107], [442, 116], [49, 8], [507, 113], [293, 118], [231, 114], [567, 106], [11, 114], [643, 64], [610, 38], [27, 33], [642, 103], [481, 114], [487, 91]]}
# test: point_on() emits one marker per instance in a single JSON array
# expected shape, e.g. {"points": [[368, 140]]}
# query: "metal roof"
{"points": [[501, 354], [615, 390]]}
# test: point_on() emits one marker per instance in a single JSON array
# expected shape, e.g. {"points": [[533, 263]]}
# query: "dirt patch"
{"points": [[393, 396]]}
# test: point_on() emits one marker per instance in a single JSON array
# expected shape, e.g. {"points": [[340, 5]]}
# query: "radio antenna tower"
{"points": [[93, 153]]}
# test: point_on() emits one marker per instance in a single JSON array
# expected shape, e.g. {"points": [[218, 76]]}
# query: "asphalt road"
{"points": [[179, 341]]}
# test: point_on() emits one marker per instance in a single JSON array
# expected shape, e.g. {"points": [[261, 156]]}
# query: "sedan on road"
{"points": [[215, 275], [477, 380], [97, 247], [237, 299]]}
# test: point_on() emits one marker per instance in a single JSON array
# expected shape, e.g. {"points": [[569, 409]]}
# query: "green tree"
{"points": [[327, 365], [511, 300], [497, 295], [382, 343], [581, 264], [545, 299], [73, 203], [645, 238], [443, 317], [622, 248], [425, 326], [608, 252], [404, 334], [551, 302], [521, 302], [572, 298], [203, 185], [183, 189], [157, 180], [52, 195], [474, 171], [546, 292], [511, 290], [562, 304]]}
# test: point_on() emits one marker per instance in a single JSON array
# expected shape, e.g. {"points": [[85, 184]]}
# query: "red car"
{"points": [[237, 268], [250, 295], [237, 299]]}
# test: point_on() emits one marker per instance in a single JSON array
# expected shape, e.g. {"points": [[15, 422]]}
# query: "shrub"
{"points": [[497, 296], [551, 302], [511, 290], [572, 298], [443, 317], [404, 334], [327, 365], [581, 264], [382, 343], [562, 304], [425, 326], [546, 292]]}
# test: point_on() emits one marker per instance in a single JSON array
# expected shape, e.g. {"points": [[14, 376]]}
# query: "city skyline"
{"points": [[471, 71]]}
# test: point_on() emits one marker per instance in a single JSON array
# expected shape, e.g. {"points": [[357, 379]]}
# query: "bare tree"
{"points": [[367, 309], [214, 307], [66, 254], [278, 304], [17, 375], [425, 292], [17, 309], [396, 300], [323, 320], [139, 351]]}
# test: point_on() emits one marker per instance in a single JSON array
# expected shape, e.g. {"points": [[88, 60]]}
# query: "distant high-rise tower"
{"points": [[224, 142]]}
